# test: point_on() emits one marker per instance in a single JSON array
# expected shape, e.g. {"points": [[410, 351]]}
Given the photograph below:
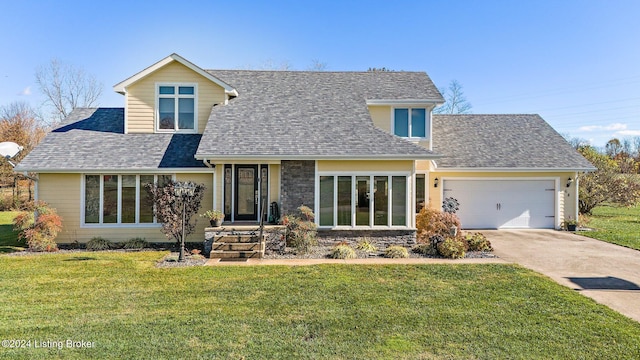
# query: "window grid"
{"points": [[174, 108], [139, 193], [401, 218]]}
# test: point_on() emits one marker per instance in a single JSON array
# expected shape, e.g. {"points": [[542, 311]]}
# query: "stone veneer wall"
{"points": [[297, 185], [379, 237]]}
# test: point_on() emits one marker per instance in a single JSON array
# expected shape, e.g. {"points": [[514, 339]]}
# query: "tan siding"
{"points": [[381, 116], [274, 183], [63, 192], [141, 97], [371, 166], [207, 202]]}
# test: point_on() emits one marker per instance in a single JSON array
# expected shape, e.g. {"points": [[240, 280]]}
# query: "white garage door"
{"points": [[495, 204]]}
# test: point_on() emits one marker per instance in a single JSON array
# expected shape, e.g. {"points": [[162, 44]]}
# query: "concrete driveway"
{"points": [[607, 273]]}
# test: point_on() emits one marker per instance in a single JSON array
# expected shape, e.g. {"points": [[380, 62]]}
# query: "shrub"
{"points": [[396, 252], [478, 242], [430, 222], [452, 248], [97, 244], [425, 249], [301, 230], [342, 252], [366, 246], [39, 228], [135, 244]]}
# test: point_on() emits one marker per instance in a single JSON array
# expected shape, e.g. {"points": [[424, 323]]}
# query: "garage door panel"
{"points": [[490, 204]]}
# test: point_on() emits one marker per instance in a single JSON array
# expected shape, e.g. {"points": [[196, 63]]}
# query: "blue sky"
{"points": [[576, 63]]}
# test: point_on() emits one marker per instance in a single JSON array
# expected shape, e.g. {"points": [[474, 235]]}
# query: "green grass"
{"points": [[617, 225], [130, 309], [8, 238]]}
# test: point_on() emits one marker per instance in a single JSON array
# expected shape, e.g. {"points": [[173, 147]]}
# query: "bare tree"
{"points": [[19, 123], [317, 65], [67, 87], [455, 101], [613, 148]]}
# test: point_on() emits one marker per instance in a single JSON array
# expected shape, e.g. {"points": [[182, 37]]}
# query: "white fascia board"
{"points": [[121, 171], [489, 169], [216, 158], [422, 102], [121, 86]]}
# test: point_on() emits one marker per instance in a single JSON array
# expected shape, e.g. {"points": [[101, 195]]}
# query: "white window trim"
{"points": [[119, 224], [353, 174], [427, 120], [176, 96]]}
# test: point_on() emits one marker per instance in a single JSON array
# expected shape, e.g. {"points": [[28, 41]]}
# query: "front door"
{"points": [[246, 192]]}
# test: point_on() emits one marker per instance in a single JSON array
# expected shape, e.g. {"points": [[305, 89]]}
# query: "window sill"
{"points": [[165, 131], [378, 227], [120, 226]]}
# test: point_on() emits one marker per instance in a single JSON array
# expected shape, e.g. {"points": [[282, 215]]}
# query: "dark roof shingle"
{"points": [[93, 139], [502, 141], [293, 114]]}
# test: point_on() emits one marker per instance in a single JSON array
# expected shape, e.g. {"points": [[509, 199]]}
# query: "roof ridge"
{"points": [[323, 71]]}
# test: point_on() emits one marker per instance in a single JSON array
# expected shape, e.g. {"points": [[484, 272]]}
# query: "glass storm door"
{"points": [[246, 192]]}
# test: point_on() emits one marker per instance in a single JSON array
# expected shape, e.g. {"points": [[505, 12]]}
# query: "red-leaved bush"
{"points": [[39, 228], [430, 222]]}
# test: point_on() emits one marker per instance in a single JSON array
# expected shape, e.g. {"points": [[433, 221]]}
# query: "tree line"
{"points": [[617, 178]]}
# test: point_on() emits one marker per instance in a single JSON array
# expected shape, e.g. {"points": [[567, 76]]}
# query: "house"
{"points": [[360, 148]]}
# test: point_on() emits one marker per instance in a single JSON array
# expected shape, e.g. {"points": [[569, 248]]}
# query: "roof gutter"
{"points": [[493, 169], [405, 101], [315, 157]]}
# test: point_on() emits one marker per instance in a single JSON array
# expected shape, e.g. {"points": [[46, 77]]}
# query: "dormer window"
{"points": [[177, 108], [410, 122]]}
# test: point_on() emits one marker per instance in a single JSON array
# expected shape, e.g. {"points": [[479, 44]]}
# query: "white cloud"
{"points": [[26, 91], [628, 133], [611, 127]]}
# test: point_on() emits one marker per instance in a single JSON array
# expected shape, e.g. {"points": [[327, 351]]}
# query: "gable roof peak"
{"points": [[121, 86]]}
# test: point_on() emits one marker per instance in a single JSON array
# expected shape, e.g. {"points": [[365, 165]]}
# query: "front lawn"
{"points": [[617, 225], [8, 238], [127, 308]]}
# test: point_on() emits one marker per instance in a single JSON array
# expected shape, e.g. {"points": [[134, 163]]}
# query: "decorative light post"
{"points": [[185, 191]]}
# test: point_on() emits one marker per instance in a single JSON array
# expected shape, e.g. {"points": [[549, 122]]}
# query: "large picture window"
{"points": [[410, 122], [176, 107], [363, 201], [119, 199]]}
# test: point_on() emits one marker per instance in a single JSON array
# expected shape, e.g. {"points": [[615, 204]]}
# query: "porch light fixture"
{"points": [[435, 182], [569, 182], [185, 191]]}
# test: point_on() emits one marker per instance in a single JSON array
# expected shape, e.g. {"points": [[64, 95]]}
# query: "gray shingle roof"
{"points": [[502, 141], [93, 139], [285, 114]]}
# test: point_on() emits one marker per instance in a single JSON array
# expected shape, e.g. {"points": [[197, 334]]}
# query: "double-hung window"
{"points": [[177, 107], [410, 122], [119, 199]]}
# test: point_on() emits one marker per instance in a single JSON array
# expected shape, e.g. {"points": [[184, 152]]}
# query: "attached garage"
{"points": [[504, 203]]}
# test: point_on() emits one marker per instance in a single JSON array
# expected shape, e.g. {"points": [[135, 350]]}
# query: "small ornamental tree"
{"points": [[606, 184], [167, 208], [39, 228]]}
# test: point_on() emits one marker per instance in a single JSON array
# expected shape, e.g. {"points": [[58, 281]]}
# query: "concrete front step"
{"points": [[224, 254], [241, 246]]}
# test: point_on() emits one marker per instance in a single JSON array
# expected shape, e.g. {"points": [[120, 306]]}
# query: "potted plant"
{"points": [[570, 224], [215, 217]]}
